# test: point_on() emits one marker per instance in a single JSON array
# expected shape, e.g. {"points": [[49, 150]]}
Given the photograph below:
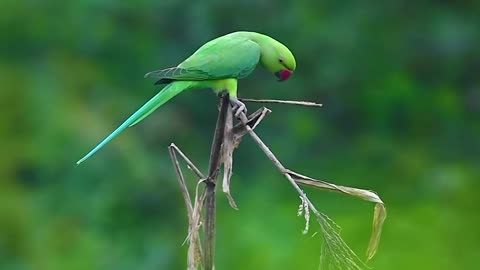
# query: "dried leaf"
{"points": [[227, 157], [379, 217], [195, 254], [232, 138], [380, 212]]}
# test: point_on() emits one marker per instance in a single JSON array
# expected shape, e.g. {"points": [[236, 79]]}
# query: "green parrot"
{"points": [[216, 65]]}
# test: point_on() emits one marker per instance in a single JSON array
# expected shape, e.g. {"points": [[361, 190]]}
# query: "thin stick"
{"points": [[194, 259], [189, 162], [291, 102], [183, 185], [214, 165], [275, 161]]}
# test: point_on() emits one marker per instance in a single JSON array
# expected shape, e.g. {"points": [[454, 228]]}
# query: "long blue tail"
{"points": [[159, 99]]}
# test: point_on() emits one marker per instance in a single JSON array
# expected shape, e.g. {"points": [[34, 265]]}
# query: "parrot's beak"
{"points": [[283, 74]]}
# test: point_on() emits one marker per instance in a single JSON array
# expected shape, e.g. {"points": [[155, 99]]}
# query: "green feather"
{"points": [[231, 56], [176, 73], [222, 58], [159, 99]]}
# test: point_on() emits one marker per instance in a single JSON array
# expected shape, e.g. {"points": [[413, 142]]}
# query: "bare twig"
{"points": [[190, 164], [183, 185], [291, 102]]}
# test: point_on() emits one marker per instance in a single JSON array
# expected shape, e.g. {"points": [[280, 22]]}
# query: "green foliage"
{"points": [[399, 84]]}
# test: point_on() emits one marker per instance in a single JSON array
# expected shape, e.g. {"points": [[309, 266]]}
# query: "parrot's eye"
{"points": [[280, 60]]}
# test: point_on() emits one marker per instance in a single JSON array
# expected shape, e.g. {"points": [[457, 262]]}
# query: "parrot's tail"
{"points": [[167, 93]]}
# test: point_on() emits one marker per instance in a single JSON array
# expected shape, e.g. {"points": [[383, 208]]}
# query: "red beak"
{"points": [[283, 74]]}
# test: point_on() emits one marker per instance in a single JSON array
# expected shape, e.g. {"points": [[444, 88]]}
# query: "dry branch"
{"points": [[335, 252], [195, 257], [210, 182]]}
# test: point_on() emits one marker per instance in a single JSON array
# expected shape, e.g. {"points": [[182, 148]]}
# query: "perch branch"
{"points": [[335, 255], [195, 254], [214, 165]]}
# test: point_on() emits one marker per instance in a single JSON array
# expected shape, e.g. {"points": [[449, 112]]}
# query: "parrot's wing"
{"points": [[224, 57], [175, 73]]}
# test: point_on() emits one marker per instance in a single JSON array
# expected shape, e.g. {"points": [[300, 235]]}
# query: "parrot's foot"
{"points": [[238, 106]]}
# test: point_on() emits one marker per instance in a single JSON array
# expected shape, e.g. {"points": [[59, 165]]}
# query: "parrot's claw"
{"points": [[238, 107]]}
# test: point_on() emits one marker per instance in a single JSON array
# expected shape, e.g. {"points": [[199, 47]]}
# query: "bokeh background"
{"points": [[399, 81]]}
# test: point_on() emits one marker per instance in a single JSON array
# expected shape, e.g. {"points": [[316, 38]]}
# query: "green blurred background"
{"points": [[399, 81]]}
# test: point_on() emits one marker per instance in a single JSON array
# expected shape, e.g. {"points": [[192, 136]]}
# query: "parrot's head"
{"points": [[279, 60]]}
